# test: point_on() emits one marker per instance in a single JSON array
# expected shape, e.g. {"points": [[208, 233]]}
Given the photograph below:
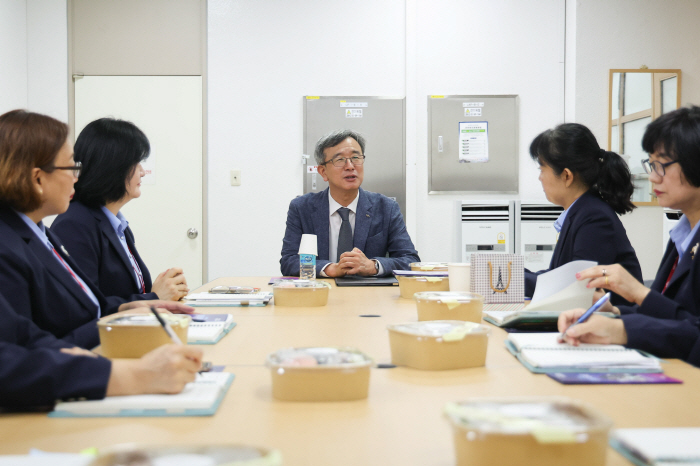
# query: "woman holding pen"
{"points": [[664, 319]]}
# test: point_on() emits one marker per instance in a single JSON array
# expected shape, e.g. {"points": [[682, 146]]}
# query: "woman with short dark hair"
{"points": [[593, 186], [38, 276], [95, 231], [664, 320]]}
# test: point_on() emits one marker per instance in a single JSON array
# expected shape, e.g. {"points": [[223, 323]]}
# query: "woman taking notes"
{"points": [[664, 320], [38, 276], [593, 186], [95, 231]]}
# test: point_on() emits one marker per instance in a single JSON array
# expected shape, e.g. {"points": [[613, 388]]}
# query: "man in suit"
{"points": [[358, 232]]}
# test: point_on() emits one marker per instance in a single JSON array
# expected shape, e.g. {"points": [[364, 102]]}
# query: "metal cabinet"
{"points": [[381, 120]]}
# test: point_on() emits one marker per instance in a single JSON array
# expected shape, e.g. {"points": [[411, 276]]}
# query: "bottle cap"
{"points": [[308, 245]]}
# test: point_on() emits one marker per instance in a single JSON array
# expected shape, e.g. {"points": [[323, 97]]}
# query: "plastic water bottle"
{"points": [[307, 266]]}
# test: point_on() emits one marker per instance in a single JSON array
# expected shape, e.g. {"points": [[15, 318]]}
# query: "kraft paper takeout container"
{"points": [[525, 431], [449, 305], [133, 335], [438, 345], [409, 285], [214, 455], [319, 374], [429, 266], [300, 293]]}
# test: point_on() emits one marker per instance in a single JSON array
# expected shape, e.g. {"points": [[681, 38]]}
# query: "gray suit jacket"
{"points": [[379, 231]]}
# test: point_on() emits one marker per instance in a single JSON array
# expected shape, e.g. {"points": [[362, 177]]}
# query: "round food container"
{"points": [[429, 266], [178, 455], [319, 374], [300, 293], [449, 305], [133, 335], [409, 285], [524, 431], [438, 345]]}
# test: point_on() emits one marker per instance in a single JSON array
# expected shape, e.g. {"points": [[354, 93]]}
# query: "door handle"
{"points": [[192, 233]]}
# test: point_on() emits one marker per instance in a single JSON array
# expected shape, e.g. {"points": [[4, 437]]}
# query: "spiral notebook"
{"points": [[658, 446], [199, 398], [207, 329], [542, 353]]}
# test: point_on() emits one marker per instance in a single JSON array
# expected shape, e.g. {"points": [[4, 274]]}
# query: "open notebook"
{"points": [[658, 446], [199, 398], [542, 353], [261, 298], [207, 329]]}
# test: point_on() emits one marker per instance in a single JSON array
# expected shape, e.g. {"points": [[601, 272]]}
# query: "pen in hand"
{"points": [[166, 326], [584, 317]]}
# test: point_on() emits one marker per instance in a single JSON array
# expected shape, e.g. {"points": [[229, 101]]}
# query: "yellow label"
{"points": [[342, 101], [437, 96], [427, 267], [501, 238], [552, 434], [451, 302], [312, 97], [433, 279]]}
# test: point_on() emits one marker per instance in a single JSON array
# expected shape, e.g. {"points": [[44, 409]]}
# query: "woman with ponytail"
{"points": [[593, 186]]}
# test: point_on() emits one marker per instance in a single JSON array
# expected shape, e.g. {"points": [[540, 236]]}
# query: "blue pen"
{"points": [[587, 314]]}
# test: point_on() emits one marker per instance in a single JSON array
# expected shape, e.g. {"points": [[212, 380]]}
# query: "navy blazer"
{"points": [[34, 373], [92, 242], [591, 231], [379, 230], [39, 288], [667, 324]]}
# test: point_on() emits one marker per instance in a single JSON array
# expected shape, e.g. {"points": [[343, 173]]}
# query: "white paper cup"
{"points": [[459, 273], [308, 245]]}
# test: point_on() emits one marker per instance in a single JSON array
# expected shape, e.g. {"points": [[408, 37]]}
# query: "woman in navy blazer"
{"points": [[664, 320], [38, 277], [95, 231], [593, 186], [36, 368]]}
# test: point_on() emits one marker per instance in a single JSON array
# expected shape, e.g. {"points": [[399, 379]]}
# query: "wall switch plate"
{"points": [[235, 177]]}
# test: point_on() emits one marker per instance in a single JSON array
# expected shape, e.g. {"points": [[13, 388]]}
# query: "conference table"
{"points": [[400, 423]]}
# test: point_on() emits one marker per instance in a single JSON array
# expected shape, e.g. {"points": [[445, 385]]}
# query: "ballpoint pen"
{"points": [[584, 317], [206, 365]]}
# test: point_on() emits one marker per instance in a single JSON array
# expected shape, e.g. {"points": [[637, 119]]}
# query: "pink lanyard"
{"points": [[137, 269], [68, 269]]}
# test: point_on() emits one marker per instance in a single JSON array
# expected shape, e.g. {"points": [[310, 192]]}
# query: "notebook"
{"points": [[658, 446], [558, 289], [207, 329], [199, 398], [542, 353], [356, 280], [259, 299], [545, 321]]}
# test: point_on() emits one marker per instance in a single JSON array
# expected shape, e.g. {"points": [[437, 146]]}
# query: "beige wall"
{"points": [[629, 34]]}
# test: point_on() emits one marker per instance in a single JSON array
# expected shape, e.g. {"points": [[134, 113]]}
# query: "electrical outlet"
{"points": [[235, 177]]}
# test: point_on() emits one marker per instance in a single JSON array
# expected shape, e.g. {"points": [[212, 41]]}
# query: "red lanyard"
{"points": [[137, 269], [70, 271], [673, 269]]}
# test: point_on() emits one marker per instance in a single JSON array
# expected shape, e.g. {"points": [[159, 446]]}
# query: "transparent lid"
{"points": [[326, 357], [300, 284], [145, 320], [448, 330], [448, 296], [429, 265], [549, 420]]}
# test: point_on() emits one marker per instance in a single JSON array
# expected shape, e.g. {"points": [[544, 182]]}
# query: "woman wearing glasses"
{"points": [[38, 277], [593, 186], [664, 320], [95, 231]]}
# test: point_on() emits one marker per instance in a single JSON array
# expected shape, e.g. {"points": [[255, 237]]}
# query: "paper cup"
{"points": [[308, 245], [459, 275]]}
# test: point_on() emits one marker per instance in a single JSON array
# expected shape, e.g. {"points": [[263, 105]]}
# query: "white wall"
{"points": [[629, 34], [13, 55], [263, 57]]}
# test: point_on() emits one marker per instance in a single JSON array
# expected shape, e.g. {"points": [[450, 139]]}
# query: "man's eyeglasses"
{"points": [[657, 167], [75, 168], [341, 161]]}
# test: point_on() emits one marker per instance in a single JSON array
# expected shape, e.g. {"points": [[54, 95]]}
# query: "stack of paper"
{"points": [[558, 289], [260, 298], [207, 329], [658, 447]]}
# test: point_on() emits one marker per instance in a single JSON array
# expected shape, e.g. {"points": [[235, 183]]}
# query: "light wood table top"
{"points": [[401, 421]]}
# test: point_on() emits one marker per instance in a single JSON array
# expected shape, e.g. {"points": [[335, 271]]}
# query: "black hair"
{"points": [[678, 134], [604, 173], [109, 150]]}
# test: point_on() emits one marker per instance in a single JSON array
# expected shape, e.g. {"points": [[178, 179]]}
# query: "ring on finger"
{"points": [[606, 280]]}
